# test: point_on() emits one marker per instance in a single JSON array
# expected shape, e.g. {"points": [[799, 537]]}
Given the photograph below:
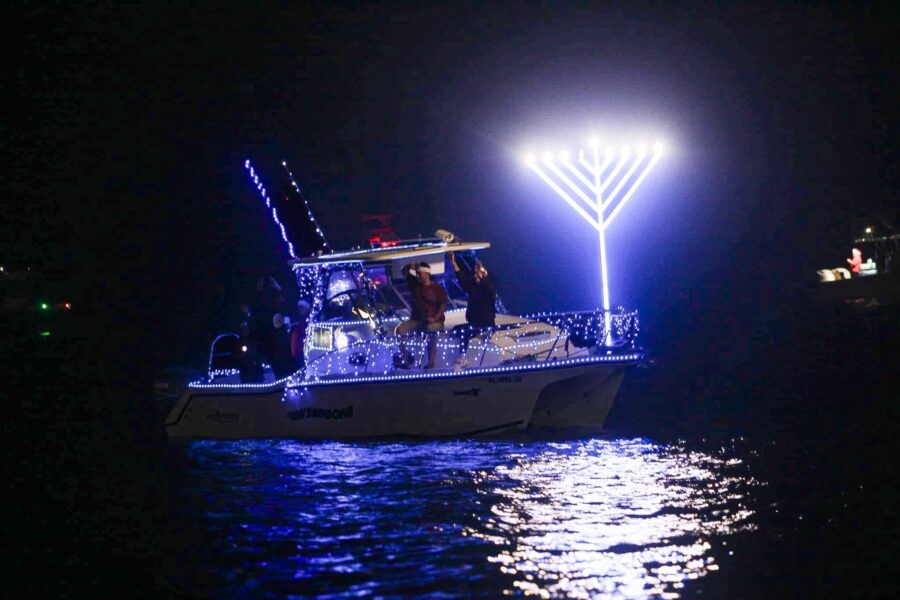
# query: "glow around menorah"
{"points": [[597, 185]]}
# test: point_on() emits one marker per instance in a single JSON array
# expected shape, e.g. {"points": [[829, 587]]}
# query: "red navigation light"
{"points": [[377, 242], [67, 305], [379, 231]]}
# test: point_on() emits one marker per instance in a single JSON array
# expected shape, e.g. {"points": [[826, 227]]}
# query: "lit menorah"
{"points": [[585, 186]]}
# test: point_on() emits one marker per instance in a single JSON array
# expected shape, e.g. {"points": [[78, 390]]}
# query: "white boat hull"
{"points": [[456, 405], [578, 402]]}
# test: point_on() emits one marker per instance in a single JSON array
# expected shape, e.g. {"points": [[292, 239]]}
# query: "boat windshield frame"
{"points": [[373, 285], [359, 291]]}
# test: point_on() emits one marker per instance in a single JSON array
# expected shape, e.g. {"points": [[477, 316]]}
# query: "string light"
{"points": [[215, 373], [309, 212], [295, 382], [265, 196], [562, 335], [522, 343]]}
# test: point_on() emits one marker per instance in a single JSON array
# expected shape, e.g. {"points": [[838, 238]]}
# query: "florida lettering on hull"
{"points": [[311, 412], [505, 379]]}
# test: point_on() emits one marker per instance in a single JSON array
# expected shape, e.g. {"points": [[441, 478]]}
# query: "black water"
{"points": [[754, 462]]}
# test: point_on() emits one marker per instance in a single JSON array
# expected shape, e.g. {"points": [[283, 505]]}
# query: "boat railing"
{"points": [[533, 339]]}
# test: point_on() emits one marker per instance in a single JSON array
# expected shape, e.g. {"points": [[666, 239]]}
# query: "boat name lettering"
{"points": [[311, 412], [505, 379]]}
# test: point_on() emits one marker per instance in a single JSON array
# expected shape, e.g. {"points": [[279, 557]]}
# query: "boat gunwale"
{"points": [[283, 384]]}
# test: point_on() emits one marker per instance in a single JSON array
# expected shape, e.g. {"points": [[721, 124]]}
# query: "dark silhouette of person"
{"points": [[298, 333], [481, 308], [249, 365]]}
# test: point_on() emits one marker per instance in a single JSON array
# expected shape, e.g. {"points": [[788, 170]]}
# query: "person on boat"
{"points": [[481, 308], [249, 366], [298, 333], [429, 304], [856, 261], [481, 311], [269, 302], [411, 275], [248, 317], [280, 347], [270, 299]]}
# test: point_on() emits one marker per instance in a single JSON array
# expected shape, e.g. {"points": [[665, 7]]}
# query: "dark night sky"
{"points": [[127, 126]]}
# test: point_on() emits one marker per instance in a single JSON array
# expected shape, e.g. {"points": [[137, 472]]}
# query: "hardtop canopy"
{"points": [[389, 253]]}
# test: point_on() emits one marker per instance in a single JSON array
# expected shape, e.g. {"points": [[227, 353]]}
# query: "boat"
{"points": [[359, 379], [877, 283]]}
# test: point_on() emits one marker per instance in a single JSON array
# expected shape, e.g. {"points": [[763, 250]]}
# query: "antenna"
{"points": [[309, 212]]}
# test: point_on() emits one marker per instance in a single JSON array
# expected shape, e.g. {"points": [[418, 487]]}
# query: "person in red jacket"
{"points": [[429, 303], [856, 261]]}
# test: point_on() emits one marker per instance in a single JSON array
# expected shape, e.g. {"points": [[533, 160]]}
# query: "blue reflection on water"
{"points": [[576, 518]]}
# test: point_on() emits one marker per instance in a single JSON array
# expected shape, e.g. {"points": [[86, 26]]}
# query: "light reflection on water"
{"points": [[626, 518], [578, 518]]}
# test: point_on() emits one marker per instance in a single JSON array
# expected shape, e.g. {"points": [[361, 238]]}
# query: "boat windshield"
{"points": [[360, 291], [347, 296]]}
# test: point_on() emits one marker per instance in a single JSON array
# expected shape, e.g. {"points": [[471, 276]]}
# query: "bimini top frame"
{"points": [[390, 253]]}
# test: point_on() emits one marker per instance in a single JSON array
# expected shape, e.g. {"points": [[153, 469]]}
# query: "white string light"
{"points": [[377, 352]]}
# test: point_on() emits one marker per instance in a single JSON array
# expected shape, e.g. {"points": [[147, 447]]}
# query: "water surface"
{"points": [[576, 518]]}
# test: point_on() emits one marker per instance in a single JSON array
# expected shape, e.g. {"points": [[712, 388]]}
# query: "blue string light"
{"points": [[296, 381], [265, 196]]}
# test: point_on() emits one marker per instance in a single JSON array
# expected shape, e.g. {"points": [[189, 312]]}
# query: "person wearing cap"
{"points": [[429, 303]]}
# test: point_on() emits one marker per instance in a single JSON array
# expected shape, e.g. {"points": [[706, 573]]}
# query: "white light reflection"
{"points": [[626, 518]]}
